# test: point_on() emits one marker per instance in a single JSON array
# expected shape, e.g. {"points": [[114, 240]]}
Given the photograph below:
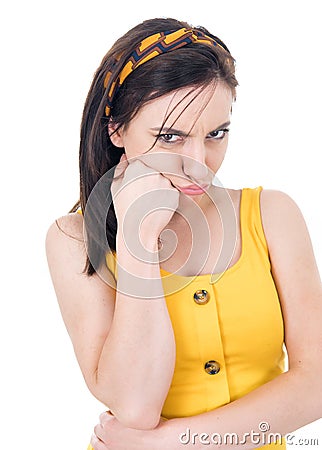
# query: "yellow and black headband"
{"points": [[152, 46]]}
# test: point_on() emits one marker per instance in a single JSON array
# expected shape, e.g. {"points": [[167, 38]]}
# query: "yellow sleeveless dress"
{"points": [[229, 334]]}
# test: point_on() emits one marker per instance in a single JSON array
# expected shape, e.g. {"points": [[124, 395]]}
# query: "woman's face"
{"points": [[194, 134]]}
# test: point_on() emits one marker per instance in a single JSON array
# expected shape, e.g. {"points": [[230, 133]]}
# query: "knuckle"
{"points": [[102, 417], [95, 443], [97, 430]]}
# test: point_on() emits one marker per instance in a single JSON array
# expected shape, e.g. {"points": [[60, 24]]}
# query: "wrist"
{"points": [[137, 247], [138, 270]]}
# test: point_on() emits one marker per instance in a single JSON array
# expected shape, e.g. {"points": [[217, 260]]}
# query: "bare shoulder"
{"points": [[86, 302], [275, 199], [296, 276], [289, 243], [68, 226], [67, 254], [281, 216], [65, 243]]}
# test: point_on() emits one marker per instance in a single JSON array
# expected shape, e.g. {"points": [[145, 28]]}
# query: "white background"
{"points": [[49, 53]]}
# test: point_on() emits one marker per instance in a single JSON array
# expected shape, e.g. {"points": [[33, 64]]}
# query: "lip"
{"points": [[193, 189]]}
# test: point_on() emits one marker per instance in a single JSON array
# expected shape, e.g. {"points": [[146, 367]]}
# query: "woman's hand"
{"points": [[110, 434], [143, 198]]}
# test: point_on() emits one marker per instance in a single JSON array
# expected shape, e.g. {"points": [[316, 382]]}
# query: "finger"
{"points": [[118, 175], [119, 170], [138, 168], [100, 433], [97, 444], [144, 164], [121, 166], [124, 159], [105, 417], [163, 163], [152, 164]]}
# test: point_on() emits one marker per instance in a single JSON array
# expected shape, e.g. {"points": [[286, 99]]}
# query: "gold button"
{"points": [[212, 367], [201, 297]]}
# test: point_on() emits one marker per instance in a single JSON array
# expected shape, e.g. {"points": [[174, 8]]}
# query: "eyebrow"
{"points": [[166, 130]]}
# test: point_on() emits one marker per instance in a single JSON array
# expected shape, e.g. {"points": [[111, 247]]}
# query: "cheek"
{"points": [[131, 146], [137, 144], [215, 158]]}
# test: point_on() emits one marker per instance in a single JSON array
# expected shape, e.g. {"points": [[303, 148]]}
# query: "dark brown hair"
{"points": [[194, 65]]}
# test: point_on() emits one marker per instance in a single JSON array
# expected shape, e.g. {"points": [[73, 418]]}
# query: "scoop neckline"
{"points": [[231, 268]]}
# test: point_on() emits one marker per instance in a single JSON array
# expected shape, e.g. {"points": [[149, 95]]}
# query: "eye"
{"points": [[218, 134], [169, 138]]}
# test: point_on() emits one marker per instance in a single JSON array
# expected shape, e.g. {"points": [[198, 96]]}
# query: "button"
{"points": [[201, 297], [212, 367]]}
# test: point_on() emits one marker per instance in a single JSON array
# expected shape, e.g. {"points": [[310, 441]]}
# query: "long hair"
{"points": [[194, 65]]}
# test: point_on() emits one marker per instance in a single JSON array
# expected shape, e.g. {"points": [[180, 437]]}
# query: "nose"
{"points": [[194, 161]]}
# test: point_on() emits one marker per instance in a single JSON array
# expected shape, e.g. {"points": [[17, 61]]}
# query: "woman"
{"points": [[181, 294]]}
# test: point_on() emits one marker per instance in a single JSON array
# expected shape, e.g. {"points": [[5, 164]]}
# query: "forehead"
{"points": [[187, 106]]}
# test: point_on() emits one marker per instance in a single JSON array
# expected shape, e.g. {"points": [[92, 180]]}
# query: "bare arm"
{"points": [[137, 360], [124, 345]]}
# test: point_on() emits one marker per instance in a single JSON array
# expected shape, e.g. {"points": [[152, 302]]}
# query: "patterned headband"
{"points": [[152, 46]]}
